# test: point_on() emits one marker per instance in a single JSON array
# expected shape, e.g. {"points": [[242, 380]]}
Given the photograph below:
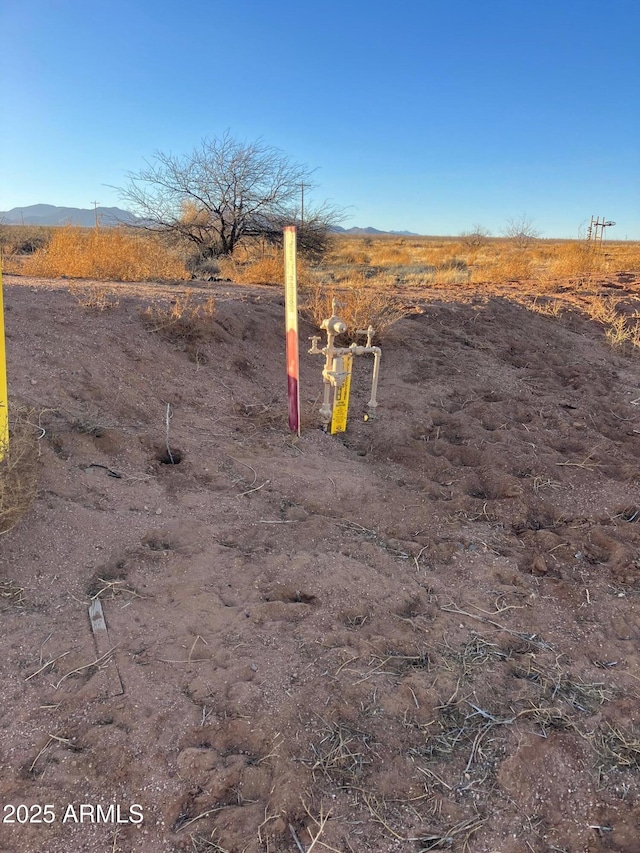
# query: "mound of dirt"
{"points": [[419, 635]]}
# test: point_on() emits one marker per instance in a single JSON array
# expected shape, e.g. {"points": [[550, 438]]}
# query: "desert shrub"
{"points": [[23, 239], [380, 251], [450, 274], [18, 471], [94, 297], [508, 265], [385, 253], [621, 332], [477, 236], [184, 322], [105, 253], [259, 271], [450, 271], [205, 269], [547, 306], [411, 259], [603, 309], [353, 257], [360, 304], [576, 260], [453, 264], [521, 232], [246, 267], [621, 329], [626, 256], [352, 251], [440, 261]]}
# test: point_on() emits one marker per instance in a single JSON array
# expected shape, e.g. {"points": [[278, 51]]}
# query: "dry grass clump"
{"points": [[625, 256], [618, 748], [621, 256], [22, 240], [184, 322], [621, 333], [452, 271], [548, 307], [360, 304], [603, 309], [18, 472], [621, 330], [105, 253], [505, 266], [94, 297], [269, 270], [11, 593], [257, 264], [620, 323], [352, 256], [389, 254], [386, 252], [577, 261], [342, 753]]}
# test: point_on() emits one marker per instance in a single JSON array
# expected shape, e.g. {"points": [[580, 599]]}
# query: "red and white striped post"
{"points": [[291, 323]]}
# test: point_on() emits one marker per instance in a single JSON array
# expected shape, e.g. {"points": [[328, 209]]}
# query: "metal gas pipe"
{"points": [[334, 374]]}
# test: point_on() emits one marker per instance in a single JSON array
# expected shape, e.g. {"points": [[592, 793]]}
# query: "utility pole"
{"points": [[302, 205], [95, 209]]}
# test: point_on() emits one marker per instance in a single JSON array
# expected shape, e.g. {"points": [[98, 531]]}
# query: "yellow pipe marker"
{"points": [[4, 399], [341, 397]]}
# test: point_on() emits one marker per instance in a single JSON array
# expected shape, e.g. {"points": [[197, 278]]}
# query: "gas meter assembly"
{"points": [[337, 371]]}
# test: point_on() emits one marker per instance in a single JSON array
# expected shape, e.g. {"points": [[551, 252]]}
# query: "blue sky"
{"points": [[420, 115]]}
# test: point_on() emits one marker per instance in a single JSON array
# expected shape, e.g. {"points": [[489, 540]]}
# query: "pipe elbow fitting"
{"points": [[334, 325]]}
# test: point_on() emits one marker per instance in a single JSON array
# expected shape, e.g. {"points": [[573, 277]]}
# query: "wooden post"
{"points": [[291, 323]]}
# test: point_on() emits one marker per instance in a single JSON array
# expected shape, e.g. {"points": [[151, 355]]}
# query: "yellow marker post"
{"points": [[341, 399], [4, 398]]}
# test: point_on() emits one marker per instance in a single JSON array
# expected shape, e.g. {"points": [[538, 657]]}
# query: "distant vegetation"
{"points": [[23, 239], [474, 258], [114, 254], [225, 192], [130, 254], [374, 277]]}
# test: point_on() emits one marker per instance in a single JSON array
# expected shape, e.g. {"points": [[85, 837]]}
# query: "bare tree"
{"points": [[223, 192], [315, 231], [521, 232], [478, 236]]}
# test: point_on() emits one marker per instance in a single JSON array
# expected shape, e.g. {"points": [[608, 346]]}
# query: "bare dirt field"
{"points": [[420, 635]]}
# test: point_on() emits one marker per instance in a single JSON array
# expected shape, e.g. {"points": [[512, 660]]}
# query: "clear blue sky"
{"points": [[420, 115]]}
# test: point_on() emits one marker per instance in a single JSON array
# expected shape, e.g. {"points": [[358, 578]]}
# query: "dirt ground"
{"points": [[420, 635]]}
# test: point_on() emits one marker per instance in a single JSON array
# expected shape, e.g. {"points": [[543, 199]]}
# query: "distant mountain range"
{"points": [[370, 230], [49, 214]]}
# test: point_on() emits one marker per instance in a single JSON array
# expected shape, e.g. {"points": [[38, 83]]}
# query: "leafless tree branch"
{"points": [[226, 190]]}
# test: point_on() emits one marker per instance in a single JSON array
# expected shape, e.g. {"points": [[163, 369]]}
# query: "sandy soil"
{"points": [[420, 635]]}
